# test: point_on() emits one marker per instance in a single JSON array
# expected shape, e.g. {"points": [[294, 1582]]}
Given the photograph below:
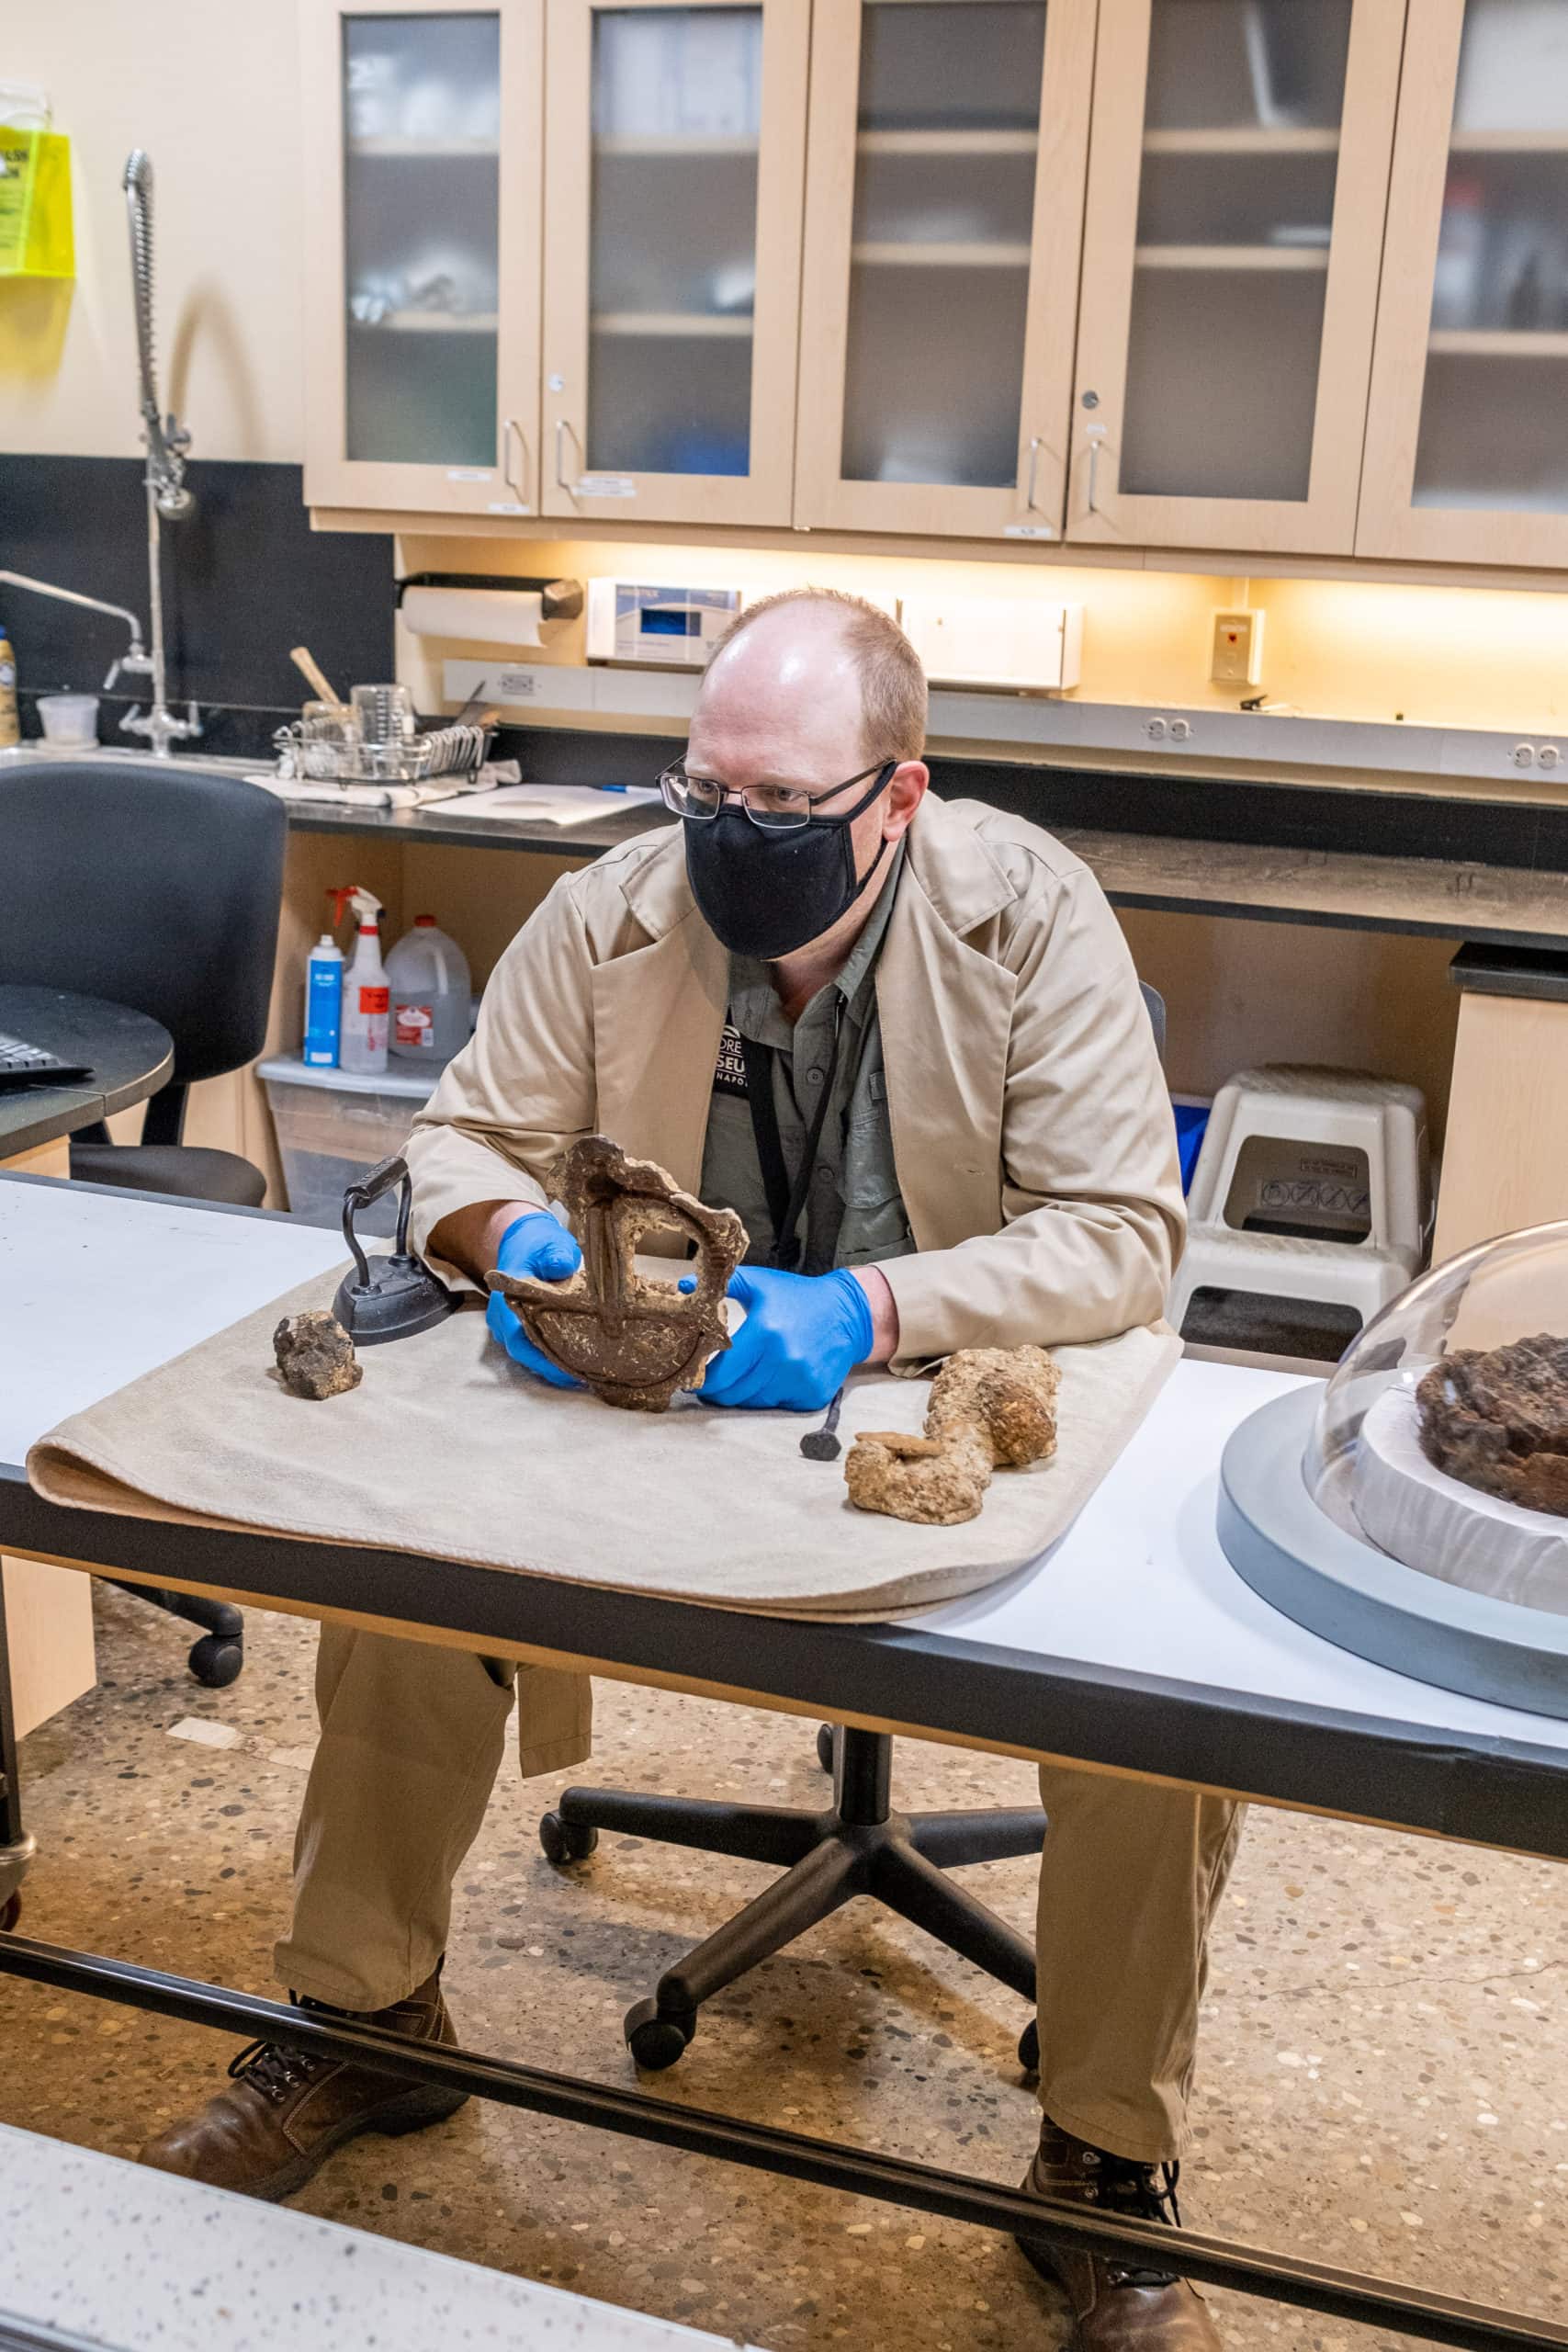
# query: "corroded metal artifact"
{"points": [[632, 1340]]}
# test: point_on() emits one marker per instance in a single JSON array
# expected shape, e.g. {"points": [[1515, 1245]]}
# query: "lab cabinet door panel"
{"points": [[1467, 435], [944, 202], [675, 164], [422, 244], [1237, 186]]}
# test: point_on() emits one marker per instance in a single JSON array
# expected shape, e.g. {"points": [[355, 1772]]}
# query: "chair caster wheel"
{"points": [[825, 1747], [10, 1912], [1029, 2047], [655, 2039], [566, 1841], [216, 1661]]}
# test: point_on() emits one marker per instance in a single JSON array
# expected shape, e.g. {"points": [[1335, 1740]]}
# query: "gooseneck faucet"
{"points": [[167, 441], [135, 657]]}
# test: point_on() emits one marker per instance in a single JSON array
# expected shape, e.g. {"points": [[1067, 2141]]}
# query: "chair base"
{"points": [[217, 1659], [860, 1846]]}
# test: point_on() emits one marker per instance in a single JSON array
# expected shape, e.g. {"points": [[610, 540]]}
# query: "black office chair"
{"points": [[157, 886], [859, 1846]]}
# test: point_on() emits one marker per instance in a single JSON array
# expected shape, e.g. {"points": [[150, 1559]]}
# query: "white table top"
{"points": [[98, 1287], [137, 2261]]}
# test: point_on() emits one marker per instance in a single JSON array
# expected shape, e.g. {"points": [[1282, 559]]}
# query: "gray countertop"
{"points": [[1500, 905], [107, 2251]]}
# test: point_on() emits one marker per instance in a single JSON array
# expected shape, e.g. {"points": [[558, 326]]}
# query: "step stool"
{"points": [[1335, 1162]]}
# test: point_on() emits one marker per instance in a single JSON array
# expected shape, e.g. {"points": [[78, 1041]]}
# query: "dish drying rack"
{"points": [[455, 752]]}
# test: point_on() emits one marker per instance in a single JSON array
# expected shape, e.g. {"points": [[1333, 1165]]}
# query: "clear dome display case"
{"points": [[1404, 1521]]}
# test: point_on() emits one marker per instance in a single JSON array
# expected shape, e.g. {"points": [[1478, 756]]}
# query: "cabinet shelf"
{"points": [[947, 143], [1497, 343], [1232, 257], [1246, 139], [706, 326], [653, 145], [1509, 142], [445, 150], [895, 255], [429, 322]]}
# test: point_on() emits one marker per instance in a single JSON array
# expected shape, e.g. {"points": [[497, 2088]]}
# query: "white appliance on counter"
{"points": [[1008, 644], [664, 627]]}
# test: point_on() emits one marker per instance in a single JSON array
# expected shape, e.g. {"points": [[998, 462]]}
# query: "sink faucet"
{"points": [[135, 656], [166, 441]]}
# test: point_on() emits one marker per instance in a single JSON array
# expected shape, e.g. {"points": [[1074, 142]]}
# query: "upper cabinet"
{"points": [[1467, 442], [424, 238], [1237, 188], [676, 163], [943, 202]]}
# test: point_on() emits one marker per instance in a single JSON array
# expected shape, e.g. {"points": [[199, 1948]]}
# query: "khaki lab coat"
{"points": [[1032, 1133]]}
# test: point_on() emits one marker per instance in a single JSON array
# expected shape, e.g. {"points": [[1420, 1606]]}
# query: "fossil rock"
{"points": [[632, 1340], [988, 1407], [315, 1354], [1497, 1418]]}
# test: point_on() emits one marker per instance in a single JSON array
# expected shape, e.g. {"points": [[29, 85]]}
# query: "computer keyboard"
{"points": [[21, 1064]]}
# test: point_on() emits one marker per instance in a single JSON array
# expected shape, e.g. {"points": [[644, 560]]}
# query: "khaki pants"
{"points": [[413, 1737]]}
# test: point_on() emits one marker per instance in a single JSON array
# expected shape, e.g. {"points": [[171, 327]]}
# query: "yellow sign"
{"points": [[35, 204]]}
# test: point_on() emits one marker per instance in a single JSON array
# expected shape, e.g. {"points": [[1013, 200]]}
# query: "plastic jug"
{"points": [[428, 976]]}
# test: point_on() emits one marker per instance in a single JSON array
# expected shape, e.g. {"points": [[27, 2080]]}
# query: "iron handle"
{"points": [[516, 485], [1035, 444]]}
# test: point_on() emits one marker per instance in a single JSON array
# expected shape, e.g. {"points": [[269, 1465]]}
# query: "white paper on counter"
{"points": [[559, 804]]}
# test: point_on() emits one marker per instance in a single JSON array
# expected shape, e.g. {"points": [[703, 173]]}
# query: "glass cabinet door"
{"points": [[1231, 252], [943, 205], [672, 270], [1467, 441], [423, 130]]}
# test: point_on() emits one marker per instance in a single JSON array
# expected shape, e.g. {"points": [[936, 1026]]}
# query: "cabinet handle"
{"points": [[516, 484], [1035, 444], [561, 482], [1094, 437]]}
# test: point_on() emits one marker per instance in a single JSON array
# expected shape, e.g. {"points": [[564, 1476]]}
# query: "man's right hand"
{"points": [[539, 1246]]}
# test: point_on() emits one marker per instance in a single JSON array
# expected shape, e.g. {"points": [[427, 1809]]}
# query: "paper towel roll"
{"points": [[489, 616]]}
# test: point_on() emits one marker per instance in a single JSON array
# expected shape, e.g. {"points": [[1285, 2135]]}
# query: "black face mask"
{"points": [[765, 894]]}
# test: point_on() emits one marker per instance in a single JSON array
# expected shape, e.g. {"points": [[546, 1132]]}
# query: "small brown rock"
{"points": [[988, 1407], [1497, 1418], [315, 1354]]}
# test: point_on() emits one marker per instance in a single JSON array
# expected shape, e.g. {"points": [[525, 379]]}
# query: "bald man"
{"points": [[962, 1139]]}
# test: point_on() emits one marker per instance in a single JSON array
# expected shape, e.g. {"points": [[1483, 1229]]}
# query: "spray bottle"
{"points": [[362, 1043]]}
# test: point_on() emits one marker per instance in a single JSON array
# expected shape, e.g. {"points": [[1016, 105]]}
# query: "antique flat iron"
{"points": [[391, 1297], [634, 1341]]}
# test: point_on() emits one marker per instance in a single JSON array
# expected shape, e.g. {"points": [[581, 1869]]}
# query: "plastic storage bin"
{"points": [[331, 1125]]}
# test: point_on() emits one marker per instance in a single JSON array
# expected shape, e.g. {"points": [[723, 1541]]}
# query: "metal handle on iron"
{"points": [[1036, 442], [518, 489], [1094, 436], [371, 1187]]}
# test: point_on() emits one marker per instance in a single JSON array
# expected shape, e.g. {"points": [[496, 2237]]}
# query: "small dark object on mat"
{"points": [[1497, 1420], [823, 1445], [632, 1341], [315, 1354]]}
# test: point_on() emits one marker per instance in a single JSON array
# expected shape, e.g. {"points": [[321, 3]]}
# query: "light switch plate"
{"points": [[1238, 648]]}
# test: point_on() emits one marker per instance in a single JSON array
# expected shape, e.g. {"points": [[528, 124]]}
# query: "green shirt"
{"points": [[853, 1213]]}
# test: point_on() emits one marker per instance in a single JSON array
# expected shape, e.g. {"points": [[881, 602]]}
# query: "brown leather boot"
{"points": [[1118, 2307], [289, 2108]]}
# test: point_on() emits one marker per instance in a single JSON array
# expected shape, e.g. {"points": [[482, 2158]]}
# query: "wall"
{"points": [[210, 88]]}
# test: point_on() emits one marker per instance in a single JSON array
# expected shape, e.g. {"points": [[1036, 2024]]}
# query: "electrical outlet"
{"points": [[1238, 650]]}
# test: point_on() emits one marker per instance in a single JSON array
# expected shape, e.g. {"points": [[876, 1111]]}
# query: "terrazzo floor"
{"points": [[1385, 2072]]}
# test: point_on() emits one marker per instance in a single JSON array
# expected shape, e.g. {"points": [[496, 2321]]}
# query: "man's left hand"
{"points": [[803, 1335]]}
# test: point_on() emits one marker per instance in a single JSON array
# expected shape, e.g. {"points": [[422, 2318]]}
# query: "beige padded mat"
{"points": [[447, 1448]]}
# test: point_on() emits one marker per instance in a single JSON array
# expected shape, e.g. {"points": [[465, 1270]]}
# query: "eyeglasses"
{"points": [[776, 808]]}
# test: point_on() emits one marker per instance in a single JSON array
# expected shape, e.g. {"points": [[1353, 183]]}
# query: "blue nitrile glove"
{"points": [[803, 1334], [537, 1245]]}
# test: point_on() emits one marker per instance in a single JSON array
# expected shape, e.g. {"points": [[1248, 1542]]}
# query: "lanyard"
{"points": [[786, 1201]]}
